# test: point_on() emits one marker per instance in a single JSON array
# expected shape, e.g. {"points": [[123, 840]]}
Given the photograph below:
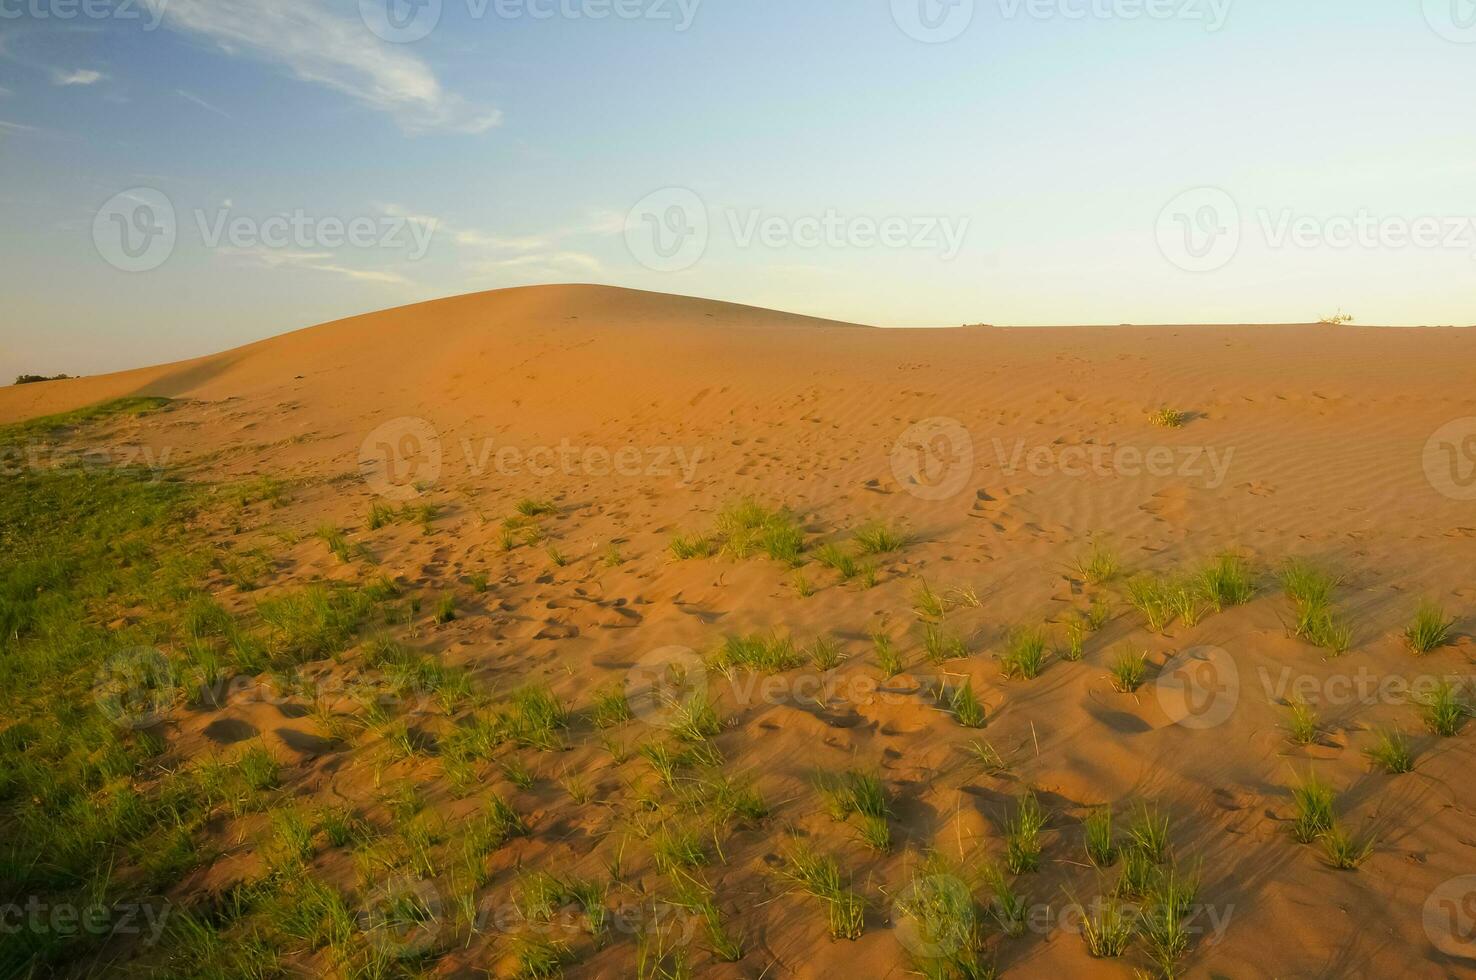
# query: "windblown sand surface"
{"points": [[1005, 453]]}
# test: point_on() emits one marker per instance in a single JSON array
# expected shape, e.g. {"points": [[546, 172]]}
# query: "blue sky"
{"points": [[1029, 161]]}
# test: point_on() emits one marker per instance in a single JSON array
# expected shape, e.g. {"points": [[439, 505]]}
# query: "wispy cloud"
{"points": [[326, 48], [10, 127], [188, 97], [79, 76], [315, 262], [543, 255]]}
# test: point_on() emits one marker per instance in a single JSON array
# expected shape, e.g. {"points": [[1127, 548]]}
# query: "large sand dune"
{"points": [[1006, 453]]}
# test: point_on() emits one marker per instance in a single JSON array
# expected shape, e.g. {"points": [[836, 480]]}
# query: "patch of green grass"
{"points": [[1154, 598], [819, 876], [803, 587], [685, 547], [312, 623], [1009, 907], [445, 609], [1108, 929], [864, 795], [769, 654], [1140, 873], [1022, 835], [337, 543], [611, 707], [942, 914], [1226, 582], [677, 847], [825, 653], [1168, 418], [1306, 583], [1097, 829], [1149, 834], [1128, 671], [539, 958], [1303, 725], [1075, 648], [887, 656], [1314, 801], [835, 557], [1344, 851], [747, 527], [537, 719], [1320, 625], [53, 427], [877, 538], [380, 515], [941, 644], [1444, 710], [1391, 751], [1098, 566], [1430, 629], [1025, 653], [964, 704], [533, 507], [1186, 603], [927, 603], [987, 758], [695, 720]]}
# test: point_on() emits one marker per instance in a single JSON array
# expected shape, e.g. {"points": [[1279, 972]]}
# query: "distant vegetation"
{"points": [[30, 379]]}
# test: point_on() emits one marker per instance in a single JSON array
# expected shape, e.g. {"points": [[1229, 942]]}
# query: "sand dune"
{"points": [[1005, 453]]}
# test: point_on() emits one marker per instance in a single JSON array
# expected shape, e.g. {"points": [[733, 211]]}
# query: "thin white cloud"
{"points": [[544, 251], [550, 260], [337, 51], [10, 127], [79, 76], [315, 262], [188, 97]]}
